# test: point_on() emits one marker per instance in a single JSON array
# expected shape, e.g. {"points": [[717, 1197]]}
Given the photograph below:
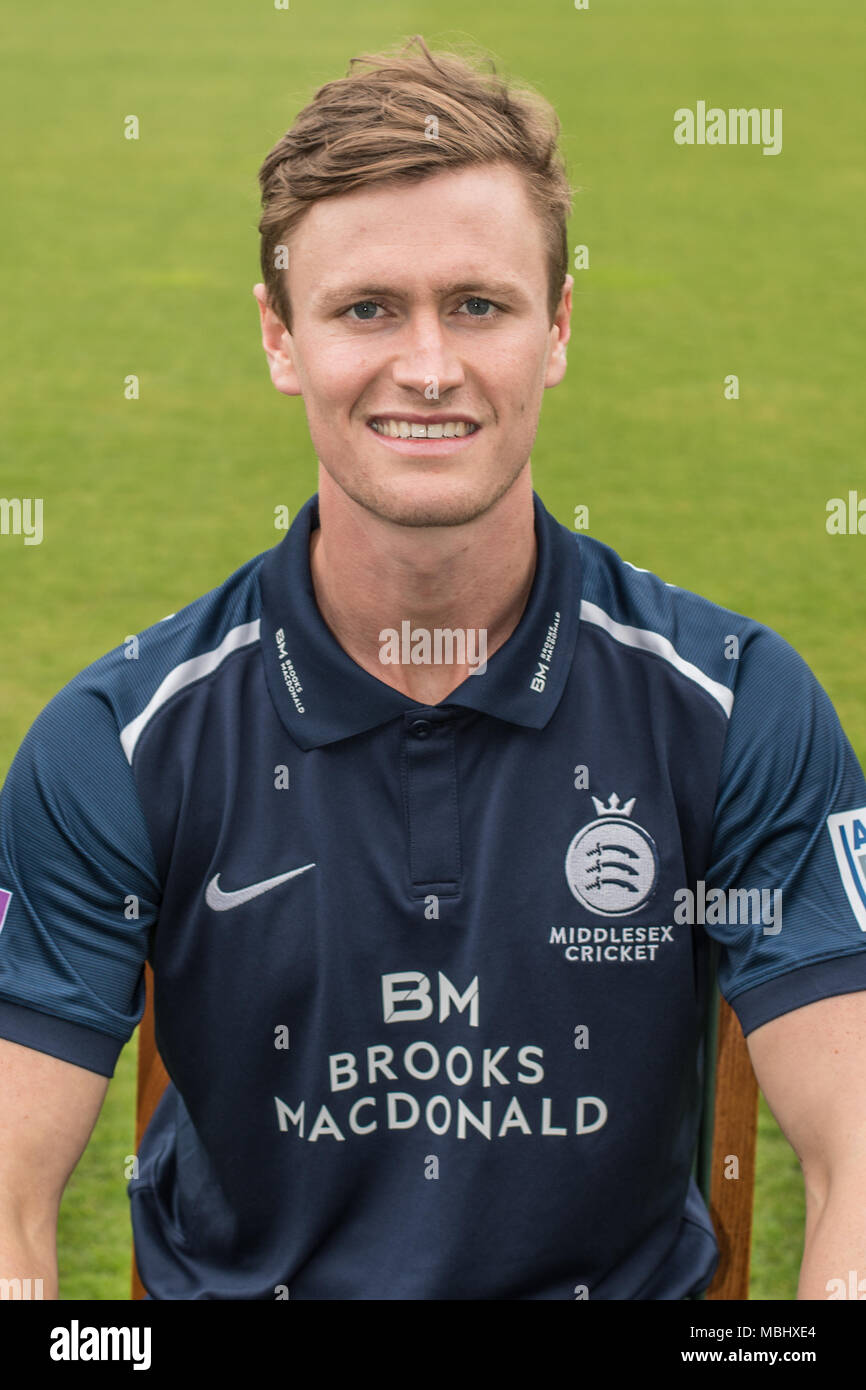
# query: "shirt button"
{"points": [[421, 728]]}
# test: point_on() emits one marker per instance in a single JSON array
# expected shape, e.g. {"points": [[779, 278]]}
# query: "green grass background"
{"points": [[121, 257]]}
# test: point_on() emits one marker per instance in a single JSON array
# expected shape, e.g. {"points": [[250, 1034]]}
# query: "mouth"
{"points": [[431, 437], [405, 427]]}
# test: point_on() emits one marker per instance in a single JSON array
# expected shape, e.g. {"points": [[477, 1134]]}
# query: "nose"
{"points": [[425, 360]]}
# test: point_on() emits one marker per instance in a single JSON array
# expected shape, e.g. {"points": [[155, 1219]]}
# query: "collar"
{"points": [[322, 695]]}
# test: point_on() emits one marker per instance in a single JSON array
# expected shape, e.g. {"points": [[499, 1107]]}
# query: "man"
{"points": [[433, 939]]}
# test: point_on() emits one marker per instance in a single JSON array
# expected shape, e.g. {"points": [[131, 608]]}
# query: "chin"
{"points": [[417, 495], [429, 502]]}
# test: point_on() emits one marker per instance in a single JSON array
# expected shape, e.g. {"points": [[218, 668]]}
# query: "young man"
{"points": [[432, 939]]}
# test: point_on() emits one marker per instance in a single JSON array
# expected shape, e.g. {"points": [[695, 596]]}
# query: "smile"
{"points": [[411, 429]]}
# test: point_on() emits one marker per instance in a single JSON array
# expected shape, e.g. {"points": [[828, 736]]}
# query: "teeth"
{"points": [[405, 429]]}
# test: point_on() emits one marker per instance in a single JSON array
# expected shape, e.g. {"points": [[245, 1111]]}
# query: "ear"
{"points": [[560, 332], [277, 343]]}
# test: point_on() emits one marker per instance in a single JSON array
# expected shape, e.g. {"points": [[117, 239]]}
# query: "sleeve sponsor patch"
{"points": [[848, 834]]}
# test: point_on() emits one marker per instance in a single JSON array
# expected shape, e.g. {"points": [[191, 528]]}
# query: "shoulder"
{"points": [[110, 700], [722, 651]]}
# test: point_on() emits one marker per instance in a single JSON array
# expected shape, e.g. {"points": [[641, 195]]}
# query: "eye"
{"points": [[477, 307], [367, 310]]}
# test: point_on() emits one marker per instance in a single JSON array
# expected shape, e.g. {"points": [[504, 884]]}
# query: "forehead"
{"points": [[474, 219]]}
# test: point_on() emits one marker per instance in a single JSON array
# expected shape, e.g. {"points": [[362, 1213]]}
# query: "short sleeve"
{"points": [[790, 815], [79, 891]]}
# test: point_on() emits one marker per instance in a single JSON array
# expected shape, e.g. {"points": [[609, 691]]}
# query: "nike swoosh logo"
{"points": [[221, 902]]}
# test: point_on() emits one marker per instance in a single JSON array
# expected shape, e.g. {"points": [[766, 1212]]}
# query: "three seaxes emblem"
{"points": [[612, 864]]}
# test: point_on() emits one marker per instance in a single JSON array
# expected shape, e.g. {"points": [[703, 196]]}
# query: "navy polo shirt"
{"points": [[430, 980]]}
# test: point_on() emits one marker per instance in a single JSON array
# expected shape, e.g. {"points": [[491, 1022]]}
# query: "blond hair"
{"points": [[377, 124]]}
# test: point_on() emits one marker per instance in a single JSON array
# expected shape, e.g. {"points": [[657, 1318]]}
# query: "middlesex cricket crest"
{"points": [[612, 863]]}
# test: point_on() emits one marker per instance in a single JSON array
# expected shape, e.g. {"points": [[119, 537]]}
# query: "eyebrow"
{"points": [[331, 298]]}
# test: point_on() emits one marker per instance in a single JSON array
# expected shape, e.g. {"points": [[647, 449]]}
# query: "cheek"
{"points": [[332, 376], [520, 364], [518, 383]]}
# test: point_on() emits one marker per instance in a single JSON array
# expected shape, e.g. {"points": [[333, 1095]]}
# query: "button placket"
{"points": [[432, 810]]}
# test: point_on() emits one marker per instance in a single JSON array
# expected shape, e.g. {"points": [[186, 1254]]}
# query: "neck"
{"points": [[371, 574]]}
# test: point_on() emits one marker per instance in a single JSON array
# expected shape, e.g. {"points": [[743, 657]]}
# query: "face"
{"points": [[421, 342]]}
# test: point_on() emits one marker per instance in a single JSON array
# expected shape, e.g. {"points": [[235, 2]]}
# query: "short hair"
{"points": [[374, 126]]}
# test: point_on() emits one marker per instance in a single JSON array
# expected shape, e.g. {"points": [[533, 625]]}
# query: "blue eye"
{"points": [[365, 310], [365, 304], [474, 302]]}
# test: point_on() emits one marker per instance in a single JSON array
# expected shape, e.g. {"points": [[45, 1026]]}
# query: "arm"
{"points": [[48, 1109], [810, 1066], [74, 846]]}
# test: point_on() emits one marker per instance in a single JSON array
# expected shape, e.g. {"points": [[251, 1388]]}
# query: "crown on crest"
{"points": [[613, 807]]}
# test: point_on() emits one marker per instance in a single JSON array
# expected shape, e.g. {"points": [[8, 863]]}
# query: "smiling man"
{"points": [[429, 1007], [429, 308], [421, 369], [421, 343]]}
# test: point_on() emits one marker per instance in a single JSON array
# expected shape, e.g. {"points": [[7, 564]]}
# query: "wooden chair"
{"points": [[729, 1128], [152, 1081]]}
